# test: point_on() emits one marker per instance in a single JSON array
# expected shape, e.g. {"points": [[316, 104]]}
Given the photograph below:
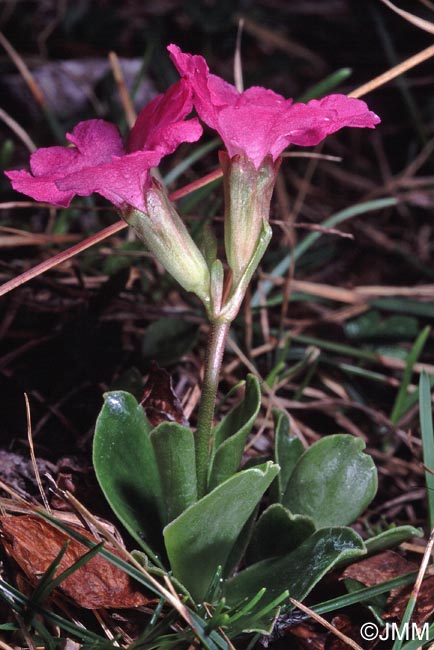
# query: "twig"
{"points": [[326, 624]]}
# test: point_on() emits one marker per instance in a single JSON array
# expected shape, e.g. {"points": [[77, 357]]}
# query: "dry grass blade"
{"points": [[326, 624], [33, 457], [96, 238], [124, 95], [394, 72], [46, 265], [238, 66], [25, 72], [272, 39], [5, 646], [21, 238], [422, 570], [426, 25], [18, 130]]}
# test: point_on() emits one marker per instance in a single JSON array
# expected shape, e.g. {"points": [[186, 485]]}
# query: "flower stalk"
{"points": [[218, 332]]}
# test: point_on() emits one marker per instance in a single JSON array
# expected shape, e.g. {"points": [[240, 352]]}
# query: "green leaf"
{"points": [[231, 433], [174, 450], [201, 538], [168, 339], [333, 481], [126, 467], [427, 431], [371, 325], [240, 546], [391, 538], [326, 85], [401, 398], [298, 572], [287, 451], [278, 532]]}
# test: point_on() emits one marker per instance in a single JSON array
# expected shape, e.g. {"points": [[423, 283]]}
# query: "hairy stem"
{"points": [[216, 344]]}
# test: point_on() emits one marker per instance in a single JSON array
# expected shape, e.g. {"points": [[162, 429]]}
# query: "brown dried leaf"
{"points": [[34, 543], [307, 637], [344, 624], [159, 400], [424, 609], [379, 568]]}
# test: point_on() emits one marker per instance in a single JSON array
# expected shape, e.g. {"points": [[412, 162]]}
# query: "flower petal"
{"points": [[121, 181], [161, 127], [259, 122], [210, 92], [312, 122], [95, 142], [40, 189]]}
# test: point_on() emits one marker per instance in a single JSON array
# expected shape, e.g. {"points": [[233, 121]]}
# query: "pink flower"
{"points": [[259, 122], [99, 162]]}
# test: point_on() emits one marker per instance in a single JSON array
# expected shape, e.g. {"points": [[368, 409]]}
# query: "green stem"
{"points": [[216, 345]]}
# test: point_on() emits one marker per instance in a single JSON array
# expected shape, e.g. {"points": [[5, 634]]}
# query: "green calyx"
{"points": [[248, 194], [166, 236]]}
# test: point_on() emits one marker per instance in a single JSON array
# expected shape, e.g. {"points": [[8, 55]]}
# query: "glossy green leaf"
{"points": [[333, 481], [174, 450], [202, 537], [126, 467], [278, 532], [287, 451], [391, 538], [298, 572], [239, 548], [231, 433]]}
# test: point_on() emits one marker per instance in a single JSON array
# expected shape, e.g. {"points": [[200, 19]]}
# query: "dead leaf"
{"points": [[398, 600], [159, 400], [306, 637], [344, 624], [379, 568], [34, 543]]}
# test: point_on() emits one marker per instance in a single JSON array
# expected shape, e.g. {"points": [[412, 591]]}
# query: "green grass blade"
{"points": [[337, 348], [20, 603], [334, 220], [187, 162], [325, 86], [364, 594], [426, 425], [404, 306], [45, 587], [400, 402], [416, 644]]}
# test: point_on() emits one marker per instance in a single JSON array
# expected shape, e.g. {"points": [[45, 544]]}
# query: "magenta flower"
{"points": [[99, 162], [259, 122]]}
